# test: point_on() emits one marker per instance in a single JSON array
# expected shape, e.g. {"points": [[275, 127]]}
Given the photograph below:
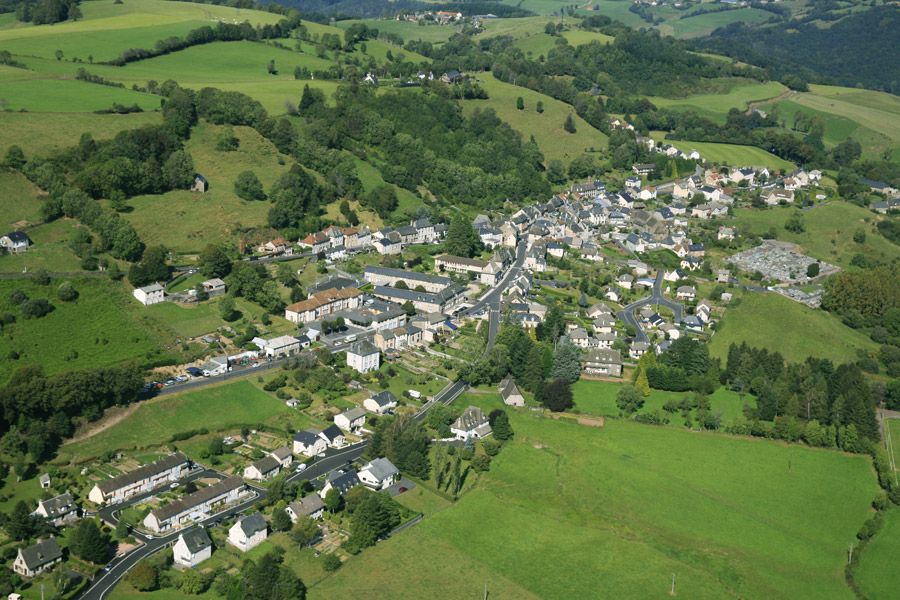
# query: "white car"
{"points": [[301, 467]]}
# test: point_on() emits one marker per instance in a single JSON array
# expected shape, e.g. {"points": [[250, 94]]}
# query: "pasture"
{"points": [[623, 508], [436, 34], [21, 203], [761, 320], [217, 408], [877, 574], [50, 249], [44, 133], [716, 106], [28, 91], [731, 154], [111, 330], [547, 128], [829, 231], [704, 23]]}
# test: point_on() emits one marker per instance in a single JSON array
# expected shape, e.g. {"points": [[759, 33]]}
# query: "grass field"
{"points": [[730, 154], [50, 250], [110, 329], [44, 133], [623, 508], [203, 318], [829, 231], [547, 128], [894, 425], [704, 24], [436, 34], [21, 200], [762, 320], [877, 575], [215, 408], [716, 106]]}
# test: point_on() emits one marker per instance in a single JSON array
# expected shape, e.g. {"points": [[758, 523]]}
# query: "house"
{"points": [[643, 169], [371, 79], [151, 294], [599, 309], [381, 403], [37, 558], [45, 481], [686, 292], [351, 420], [283, 345], [192, 548], [143, 479], [471, 424], [398, 338], [671, 332], [363, 357], [249, 532], [451, 76], [322, 304], [265, 468], [15, 242], [217, 365], [196, 506], [58, 510], [638, 349], [342, 481], [200, 184], [510, 393], [625, 281], [379, 474], [309, 506], [778, 196], [604, 324], [384, 276], [603, 361], [333, 436], [309, 443], [213, 287], [725, 233], [579, 337]]}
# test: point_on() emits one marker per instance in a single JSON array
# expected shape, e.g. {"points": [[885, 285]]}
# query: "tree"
{"points": [[36, 308], [481, 463], [88, 543], [539, 107], [280, 520], [556, 395], [629, 399], [270, 68], [520, 103], [305, 531], [569, 125], [66, 292], [859, 236], [374, 516], [499, 421], [20, 524], [812, 270], [144, 577], [332, 500], [331, 562], [121, 529], [461, 238], [178, 170], [228, 310], [795, 224], [248, 186], [15, 157], [214, 262], [193, 582], [566, 362], [556, 172]]}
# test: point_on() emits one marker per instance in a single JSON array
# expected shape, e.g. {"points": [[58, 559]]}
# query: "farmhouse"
{"points": [[194, 506], [342, 481], [143, 479], [15, 242], [603, 361], [213, 287], [151, 294], [322, 304], [309, 443], [283, 345], [58, 510], [265, 468], [472, 424], [309, 506], [351, 420], [192, 548], [510, 393], [217, 365], [249, 532], [379, 474], [363, 357], [37, 558]]}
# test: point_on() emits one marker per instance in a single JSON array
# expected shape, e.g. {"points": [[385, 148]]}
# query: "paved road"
{"points": [[491, 300], [657, 298]]}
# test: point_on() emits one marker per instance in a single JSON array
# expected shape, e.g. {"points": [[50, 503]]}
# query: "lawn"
{"points": [[731, 154], [762, 319], [49, 250], [21, 203], [43, 133], [829, 231], [877, 575], [199, 319], [216, 408], [547, 128], [575, 512], [110, 329], [716, 106]]}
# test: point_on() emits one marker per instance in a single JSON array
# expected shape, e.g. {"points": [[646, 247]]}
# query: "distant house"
{"points": [[283, 455], [309, 443], [265, 468], [510, 393], [217, 365], [249, 532], [37, 558], [351, 420], [195, 506], [379, 474], [151, 294], [603, 361], [381, 402], [214, 287], [58, 510], [643, 169], [192, 548], [309, 506], [342, 481], [638, 349], [472, 424], [200, 184], [15, 242], [686, 292], [451, 76], [363, 357]]}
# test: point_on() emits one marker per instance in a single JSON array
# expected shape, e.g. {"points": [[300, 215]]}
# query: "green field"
{"points": [[547, 128], [877, 575], [49, 250], [216, 408], [576, 512], [599, 398], [199, 319], [436, 34], [110, 329], [44, 133], [829, 231], [716, 106], [730, 154], [27, 91], [21, 202], [704, 24], [894, 426], [763, 320]]}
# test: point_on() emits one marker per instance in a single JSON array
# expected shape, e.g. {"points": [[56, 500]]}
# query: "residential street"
{"points": [[655, 298]]}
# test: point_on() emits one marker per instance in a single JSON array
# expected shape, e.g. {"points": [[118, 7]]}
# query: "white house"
{"points": [[151, 294], [363, 357], [309, 506], [37, 558], [309, 443], [143, 479], [283, 345], [15, 242], [510, 393], [381, 402], [379, 474], [342, 481], [686, 292], [196, 506], [265, 468], [333, 436], [58, 510], [351, 420], [192, 548], [249, 532], [473, 423], [217, 365], [283, 455]]}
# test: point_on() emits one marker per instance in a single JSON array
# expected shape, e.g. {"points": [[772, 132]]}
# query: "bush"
{"points": [[331, 563], [66, 292], [37, 308]]}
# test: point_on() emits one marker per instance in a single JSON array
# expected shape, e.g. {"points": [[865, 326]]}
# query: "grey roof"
{"points": [[253, 524], [307, 437], [343, 481], [408, 275], [266, 464], [59, 505], [381, 469], [17, 236], [472, 418], [332, 432], [307, 505], [384, 398], [509, 388], [41, 553], [363, 348], [164, 464], [281, 453], [605, 356], [435, 298], [186, 503], [196, 539], [354, 413]]}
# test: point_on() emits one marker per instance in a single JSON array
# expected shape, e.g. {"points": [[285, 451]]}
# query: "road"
{"points": [[657, 298], [492, 299]]}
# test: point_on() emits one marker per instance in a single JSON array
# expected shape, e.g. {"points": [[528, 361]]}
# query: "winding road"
{"points": [[656, 298]]}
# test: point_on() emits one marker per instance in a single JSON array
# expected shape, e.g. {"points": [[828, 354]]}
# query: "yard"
{"points": [[49, 250]]}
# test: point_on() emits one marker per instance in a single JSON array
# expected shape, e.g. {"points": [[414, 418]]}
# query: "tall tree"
{"points": [[461, 238], [566, 362]]}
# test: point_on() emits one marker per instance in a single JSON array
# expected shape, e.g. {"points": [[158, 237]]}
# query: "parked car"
{"points": [[301, 467], [194, 372]]}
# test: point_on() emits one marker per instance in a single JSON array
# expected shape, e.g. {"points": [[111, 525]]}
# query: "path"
{"points": [[785, 95], [104, 424]]}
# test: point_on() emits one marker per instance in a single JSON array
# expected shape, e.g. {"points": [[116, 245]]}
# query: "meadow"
{"points": [[436, 34], [21, 201], [43, 133], [877, 574], [716, 106], [111, 330], [547, 128], [763, 319], [730, 154], [704, 24], [829, 231], [199, 319], [630, 506], [49, 250], [216, 408]]}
